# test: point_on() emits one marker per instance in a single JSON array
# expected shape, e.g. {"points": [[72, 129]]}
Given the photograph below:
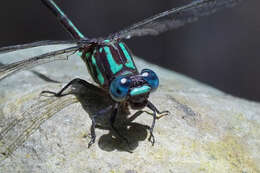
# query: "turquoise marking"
{"points": [[129, 62], [79, 53], [76, 29], [61, 12], [70, 23], [88, 55], [99, 74], [140, 90], [90, 68], [106, 41], [113, 65]]}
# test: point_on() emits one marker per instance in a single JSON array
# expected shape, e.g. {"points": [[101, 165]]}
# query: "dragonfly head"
{"points": [[134, 88]]}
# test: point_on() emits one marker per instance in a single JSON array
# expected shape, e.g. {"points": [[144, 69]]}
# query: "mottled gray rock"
{"points": [[207, 130]]}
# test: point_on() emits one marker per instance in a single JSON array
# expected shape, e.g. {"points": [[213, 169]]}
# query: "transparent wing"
{"points": [[174, 18], [18, 130], [35, 44], [6, 70]]}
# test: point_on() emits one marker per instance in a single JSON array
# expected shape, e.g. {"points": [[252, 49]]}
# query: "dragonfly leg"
{"points": [[112, 121], [74, 81], [159, 114], [93, 126], [155, 112]]}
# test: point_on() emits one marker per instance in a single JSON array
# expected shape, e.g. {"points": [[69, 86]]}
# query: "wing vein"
{"points": [[173, 18], [9, 69]]}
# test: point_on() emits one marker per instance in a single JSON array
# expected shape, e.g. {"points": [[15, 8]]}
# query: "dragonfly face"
{"points": [[135, 89]]}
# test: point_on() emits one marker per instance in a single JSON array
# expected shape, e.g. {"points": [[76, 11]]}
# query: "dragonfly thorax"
{"points": [[111, 65], [107, 60]]}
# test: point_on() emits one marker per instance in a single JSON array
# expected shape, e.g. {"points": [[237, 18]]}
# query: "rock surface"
{"points": [[207, 130]]}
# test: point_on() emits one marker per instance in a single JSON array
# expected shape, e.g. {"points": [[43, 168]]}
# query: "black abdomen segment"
{"points": [[64, 20]]}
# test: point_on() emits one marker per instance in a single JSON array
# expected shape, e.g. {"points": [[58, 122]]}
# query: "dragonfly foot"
{"points": [[162, 114], [159, 115], [151, 137], [92, 141]]}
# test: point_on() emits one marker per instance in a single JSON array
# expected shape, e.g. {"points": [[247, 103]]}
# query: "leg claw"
{"points": [[162, 114], [49, 94], [151, 138], [92, 141]]}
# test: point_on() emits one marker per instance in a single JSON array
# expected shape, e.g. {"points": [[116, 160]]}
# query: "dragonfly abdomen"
{"points": [[107, 61]]}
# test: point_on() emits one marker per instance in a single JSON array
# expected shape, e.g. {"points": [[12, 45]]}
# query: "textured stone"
{"points": [[207, 130]]}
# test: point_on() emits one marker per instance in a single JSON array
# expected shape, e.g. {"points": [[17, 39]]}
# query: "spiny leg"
{"points": [[74, 81], [112, 121], [151, 137], [158, 115], [93, 126], [155, 111], [93, 118]]}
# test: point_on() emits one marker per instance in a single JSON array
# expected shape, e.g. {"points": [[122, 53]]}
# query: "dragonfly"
{"points": [[110, 62]]}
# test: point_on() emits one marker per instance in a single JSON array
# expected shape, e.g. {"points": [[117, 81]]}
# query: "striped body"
{"points": [[107, 61]]}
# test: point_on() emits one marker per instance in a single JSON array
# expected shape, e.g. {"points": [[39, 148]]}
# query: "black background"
{"points": [[221, 50]]}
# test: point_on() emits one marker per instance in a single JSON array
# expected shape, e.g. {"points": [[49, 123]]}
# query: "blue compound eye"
{"points": [[119, 88], [151, 78]]}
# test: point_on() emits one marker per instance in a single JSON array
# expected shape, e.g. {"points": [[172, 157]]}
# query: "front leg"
{"points": [[159, 114], [93, 118], [74, 81], [155, 112]]}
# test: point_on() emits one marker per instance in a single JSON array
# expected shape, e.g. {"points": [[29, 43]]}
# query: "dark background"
{"points": [[221, 50]]}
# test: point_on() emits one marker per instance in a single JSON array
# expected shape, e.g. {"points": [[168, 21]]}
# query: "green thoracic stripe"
{"points": [[99, 74], [113, 65], [129, 62], [106, 41], [87, 55], [140, 90], [87, 60], [79, 53]]}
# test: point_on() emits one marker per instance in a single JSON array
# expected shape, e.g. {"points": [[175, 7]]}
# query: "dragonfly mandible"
{"points": [[110, 62]]}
